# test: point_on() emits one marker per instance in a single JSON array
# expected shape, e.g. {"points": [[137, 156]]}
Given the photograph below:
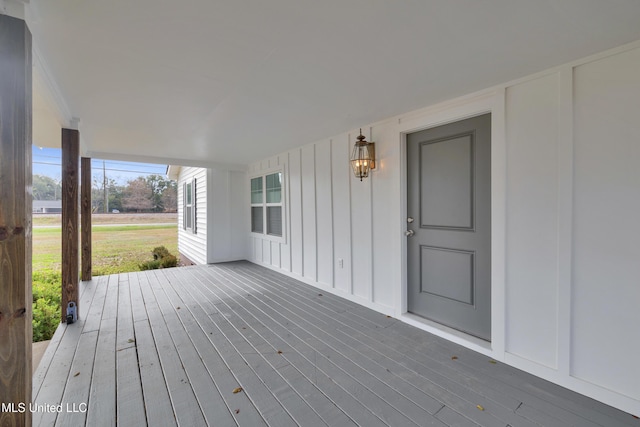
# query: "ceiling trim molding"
{"points": [[51, 90], [167, 161]]}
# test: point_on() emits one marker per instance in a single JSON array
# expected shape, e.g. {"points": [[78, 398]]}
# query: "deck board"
{"points": [[444, 392], [211, 320], [170, 347], [186, 408], [388, 377], [102, 396], [390, 405]]}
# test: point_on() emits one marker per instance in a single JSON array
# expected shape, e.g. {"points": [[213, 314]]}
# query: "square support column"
{"points": [[70, 179], [15, 221], [85, 217]]}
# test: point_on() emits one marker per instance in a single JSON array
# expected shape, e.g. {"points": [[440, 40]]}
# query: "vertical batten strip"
{"points": [[371, 249], [315, 209], [70, 161], [288, 208], [350, 218], [301, 212], [498, 221], [565, 220], [15, 221], [333, 216]]}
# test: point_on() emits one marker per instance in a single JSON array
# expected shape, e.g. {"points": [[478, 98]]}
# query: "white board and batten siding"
{"points": [[193, 246], [565, 229], [328, 212]]}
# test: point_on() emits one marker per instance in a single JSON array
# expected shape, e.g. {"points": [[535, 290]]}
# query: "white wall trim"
{"points": [[450, 334], [330, 289], [487, 102]]}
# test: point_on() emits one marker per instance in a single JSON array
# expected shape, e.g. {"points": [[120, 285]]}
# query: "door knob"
{"points": [[409, 220], [409, 233]]}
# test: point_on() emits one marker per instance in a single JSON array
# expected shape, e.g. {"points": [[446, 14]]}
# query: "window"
{"points": [[189, 206], [266, 204]]}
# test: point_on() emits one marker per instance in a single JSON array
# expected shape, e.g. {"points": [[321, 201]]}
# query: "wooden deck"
{"points": [[238, 344]]}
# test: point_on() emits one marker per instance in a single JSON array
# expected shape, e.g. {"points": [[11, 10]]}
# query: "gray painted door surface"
{"points": [[449, 199]]}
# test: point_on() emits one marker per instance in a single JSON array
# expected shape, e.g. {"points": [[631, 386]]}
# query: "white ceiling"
{"points": [[231, 81]]}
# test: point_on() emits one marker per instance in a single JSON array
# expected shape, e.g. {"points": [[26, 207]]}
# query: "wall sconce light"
{"points": [[363, 158]]}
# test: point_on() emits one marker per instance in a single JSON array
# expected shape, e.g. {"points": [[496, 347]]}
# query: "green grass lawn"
{"points": [[115, 249]]}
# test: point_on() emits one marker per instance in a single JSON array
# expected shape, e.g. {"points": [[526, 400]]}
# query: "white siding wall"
{"points": [[605, 315], [228, 216], [329, 211], [193, 246], [565, 189]]}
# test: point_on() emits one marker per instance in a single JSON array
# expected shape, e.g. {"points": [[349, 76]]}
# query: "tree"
{"points": [[114, 193], [138, 196], [158, 185], [46, 188], [170, 197]]}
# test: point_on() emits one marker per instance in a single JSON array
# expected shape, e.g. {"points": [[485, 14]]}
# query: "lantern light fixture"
{"points": [[363, 157]]}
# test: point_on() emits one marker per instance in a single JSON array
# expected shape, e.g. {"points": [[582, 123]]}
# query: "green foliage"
{"points": [[160, 252], [46, 304], [46, 188], [150, 265], [162, 258], [158, 186], [169, 261]]}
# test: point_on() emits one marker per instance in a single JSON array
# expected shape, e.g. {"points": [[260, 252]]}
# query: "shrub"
{"points": [[169, 261], [160, 252], [46, 318], [161, 259], [46, 304], [150, 265]]}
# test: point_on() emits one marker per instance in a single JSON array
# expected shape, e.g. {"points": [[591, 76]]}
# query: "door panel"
{"points": [[446, 175], [449, 255], [447, 273]]}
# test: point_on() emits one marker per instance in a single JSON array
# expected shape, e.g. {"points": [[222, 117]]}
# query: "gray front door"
{"points": [[449, 212]]}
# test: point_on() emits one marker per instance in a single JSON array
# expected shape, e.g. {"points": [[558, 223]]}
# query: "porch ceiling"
{"points": [[233, 82]]}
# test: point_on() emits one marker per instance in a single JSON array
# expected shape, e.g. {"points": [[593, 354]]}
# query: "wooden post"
{"points": [[85, 213], [70, 164], [15, 221]]}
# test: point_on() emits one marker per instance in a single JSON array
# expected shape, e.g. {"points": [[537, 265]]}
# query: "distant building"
{"points": [[47, 206]]}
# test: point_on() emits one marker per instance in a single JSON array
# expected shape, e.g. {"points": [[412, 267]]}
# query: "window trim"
{"points": [[264, 205]]}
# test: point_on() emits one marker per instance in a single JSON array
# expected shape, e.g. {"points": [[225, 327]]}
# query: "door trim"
{"points": [[488, 102]]}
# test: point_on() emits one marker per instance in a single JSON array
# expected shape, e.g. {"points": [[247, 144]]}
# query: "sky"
{"points": [[46, 161]]}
